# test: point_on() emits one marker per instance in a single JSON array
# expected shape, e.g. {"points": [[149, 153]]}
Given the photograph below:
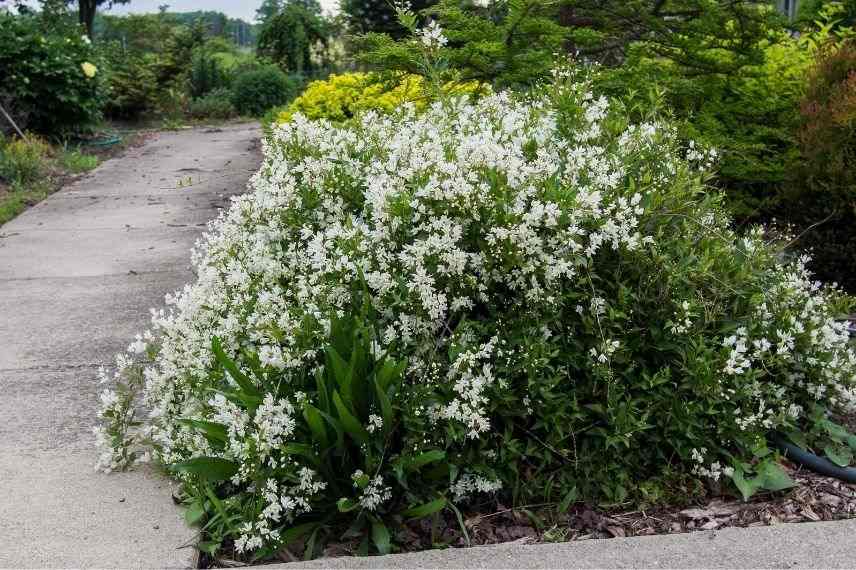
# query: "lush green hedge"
{"points": [[50, 75], [256, 91]]}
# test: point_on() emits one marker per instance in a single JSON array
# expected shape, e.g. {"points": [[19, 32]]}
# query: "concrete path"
{"points": [[78, 274], [804, 545]]}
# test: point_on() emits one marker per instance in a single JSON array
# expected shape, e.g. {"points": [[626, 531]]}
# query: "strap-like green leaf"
{"points": [[316, 425], [385, 409], [341, 371], [569, 499], [247, 386], [211, 469], [424, 510], [380, 537], [215, 433], [414, 463], [350, 423]]}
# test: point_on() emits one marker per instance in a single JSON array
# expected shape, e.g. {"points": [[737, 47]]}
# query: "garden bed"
{"points": [[816, 498]]}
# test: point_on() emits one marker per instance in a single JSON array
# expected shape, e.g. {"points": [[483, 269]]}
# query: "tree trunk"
{"points": [[86, 13]]}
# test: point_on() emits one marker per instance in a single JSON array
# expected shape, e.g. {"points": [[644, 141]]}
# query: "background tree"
{"points": [[271, 8], [86, 10], [504, 44], [289, 37], [378, 16], [704, 36]]}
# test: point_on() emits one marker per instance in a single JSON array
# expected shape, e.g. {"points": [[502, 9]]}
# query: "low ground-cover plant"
{"points": [[517, 300], [23, 160], [215, 105]]}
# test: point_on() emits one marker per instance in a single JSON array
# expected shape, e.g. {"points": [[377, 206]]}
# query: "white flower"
{"points": [[432, 36]]}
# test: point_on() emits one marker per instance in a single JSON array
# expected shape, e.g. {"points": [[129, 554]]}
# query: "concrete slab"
{"points": [[809, 545], [65, 322], [78, 274]]}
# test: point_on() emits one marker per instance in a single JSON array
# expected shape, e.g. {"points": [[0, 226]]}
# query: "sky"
{"points": [[245, 9]]}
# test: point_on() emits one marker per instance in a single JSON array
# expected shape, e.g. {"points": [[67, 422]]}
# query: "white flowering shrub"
{"points": [[526, 300]]}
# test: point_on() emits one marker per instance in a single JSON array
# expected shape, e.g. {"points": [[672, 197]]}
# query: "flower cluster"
{"points": [[560, 286]]}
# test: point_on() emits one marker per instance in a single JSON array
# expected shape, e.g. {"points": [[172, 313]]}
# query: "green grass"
{"points": [[75, 162], [17, 198]]}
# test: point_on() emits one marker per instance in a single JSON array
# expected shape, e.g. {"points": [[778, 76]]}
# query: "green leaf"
{"points": [[414, 463], [208, 547], [385, 409], [211, 469], [231, 367], [461, 522], [341, 371], [773, 477], [323, 394], [288, 536], [213, 432], [350, 423], [390, 373], [569, 499], [316, 425], [798, 438], [424, 510], [302, 449], [380, 537], [194, 513], [239, 398], [747, 487], [346, 505], [839, 454]]}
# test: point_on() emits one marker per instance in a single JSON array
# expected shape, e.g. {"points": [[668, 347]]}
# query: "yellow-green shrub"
{"points": [[23, 160], [342, 96]]}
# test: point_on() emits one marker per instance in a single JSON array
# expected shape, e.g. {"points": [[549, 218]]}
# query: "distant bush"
{"points": [[49, 74], [206, 74], [256, 91], [133, 86], [215, 105]]}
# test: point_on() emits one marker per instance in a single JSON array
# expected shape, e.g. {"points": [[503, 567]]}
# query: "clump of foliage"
{"points": [[206, 74], [133, 86], [50, 74], [505, 44], [260, 89], [30, 168], [292, 38], [514, 300], [216, 104], [746, 107], [149, 64], [344, 96], [820, 205], [23, 161], [377, 16], [702, 36]]}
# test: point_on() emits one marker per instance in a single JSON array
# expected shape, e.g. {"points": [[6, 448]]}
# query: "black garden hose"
{"points": [[811, 461]]}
